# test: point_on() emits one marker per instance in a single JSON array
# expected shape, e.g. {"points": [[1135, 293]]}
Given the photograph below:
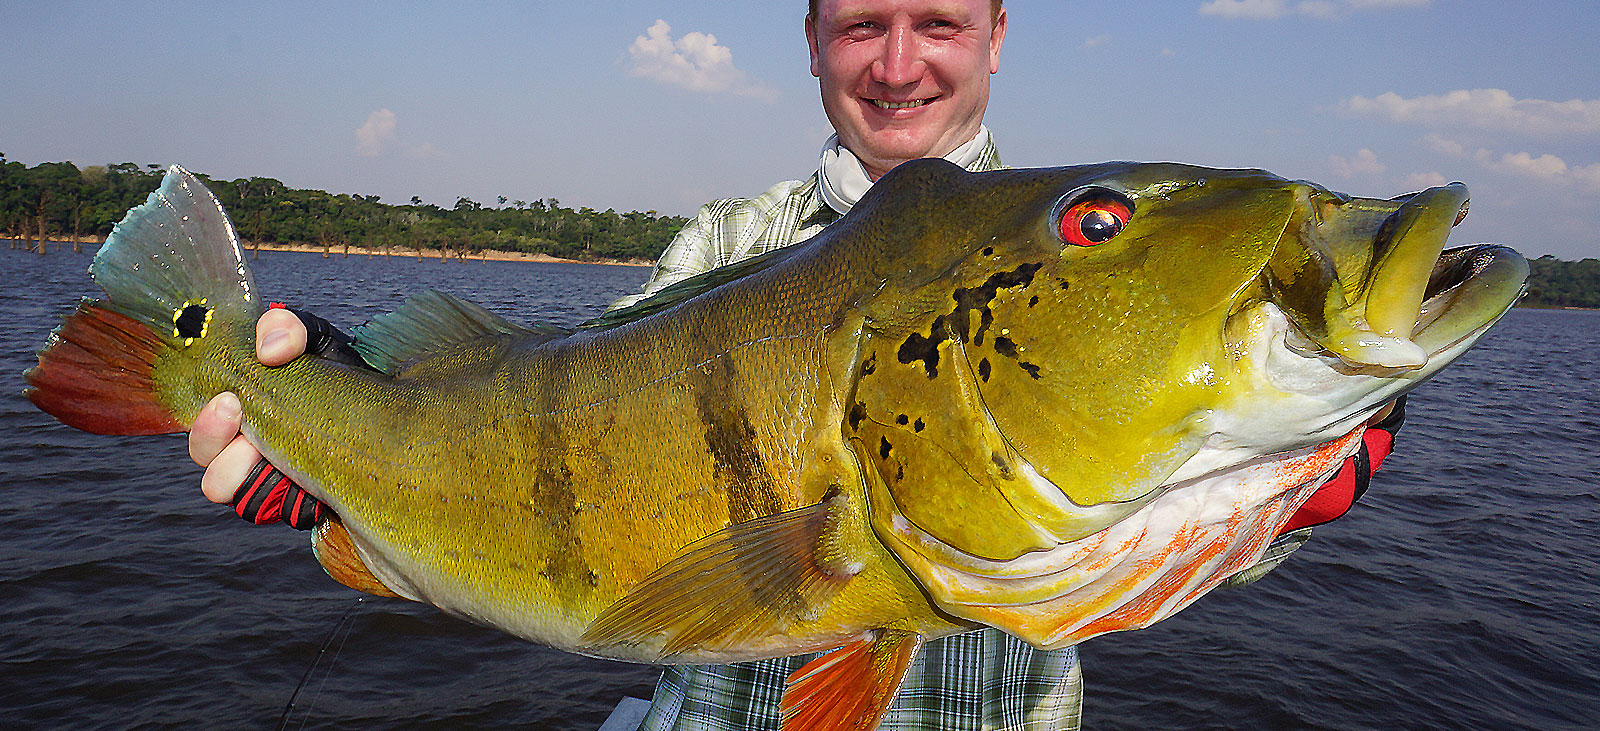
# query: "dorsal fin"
{"points": [[433, 321], [688, 289]]}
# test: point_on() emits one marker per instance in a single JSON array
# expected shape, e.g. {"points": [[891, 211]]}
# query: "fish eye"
{"points": [[1092, 215]]}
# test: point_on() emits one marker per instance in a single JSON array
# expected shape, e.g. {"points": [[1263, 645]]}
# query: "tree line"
{"points": [[57, 200], [1556, 283]]}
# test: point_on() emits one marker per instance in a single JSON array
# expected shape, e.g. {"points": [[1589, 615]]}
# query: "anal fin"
{"points": [[850, 688], [737, 584], [331, 543]]}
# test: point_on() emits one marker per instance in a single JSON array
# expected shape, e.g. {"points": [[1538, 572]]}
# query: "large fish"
{"points": [[1060, 402]]}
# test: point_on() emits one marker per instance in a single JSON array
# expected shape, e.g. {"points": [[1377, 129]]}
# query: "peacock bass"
{"points": [[1061, 402]]}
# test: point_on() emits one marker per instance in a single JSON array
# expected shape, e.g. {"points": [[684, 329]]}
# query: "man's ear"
{"points": [[811, 40], [996, 38]]}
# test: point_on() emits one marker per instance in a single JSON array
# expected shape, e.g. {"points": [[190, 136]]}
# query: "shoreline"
{"points": [[353, 250], [497, 255]]}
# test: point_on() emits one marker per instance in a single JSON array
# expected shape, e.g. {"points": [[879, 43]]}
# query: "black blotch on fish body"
{"points": [[1033, 300], [925, 349], [978, 298], [1000, 466], [857, 413], [554, 502], [191, 322], [884, 447], [983, 370], [902, 420], [958, 322], [917, 425], [1032, 369], [731, 442], [1005, 347], [870, 365]]}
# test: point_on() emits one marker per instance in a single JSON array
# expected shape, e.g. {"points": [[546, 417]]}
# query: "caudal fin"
{"points": [[177, 289]]}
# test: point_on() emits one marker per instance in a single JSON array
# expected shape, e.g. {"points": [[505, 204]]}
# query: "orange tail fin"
{"points": [[94, 375]]}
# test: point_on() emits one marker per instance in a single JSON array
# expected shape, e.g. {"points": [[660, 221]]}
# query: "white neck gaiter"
{"points": [[843, 180]]}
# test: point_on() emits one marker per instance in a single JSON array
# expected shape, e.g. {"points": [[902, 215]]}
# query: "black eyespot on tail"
{"points": [[190, 321]]}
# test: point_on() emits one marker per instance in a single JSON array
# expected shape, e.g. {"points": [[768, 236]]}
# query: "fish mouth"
{"points": [[1469, 288], [1371, 283]]}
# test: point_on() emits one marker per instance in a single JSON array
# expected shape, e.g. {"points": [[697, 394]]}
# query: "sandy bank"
{"points": [[404, 253]]}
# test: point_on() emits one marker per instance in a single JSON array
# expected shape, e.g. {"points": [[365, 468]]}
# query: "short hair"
{"points": [[994, 10]]}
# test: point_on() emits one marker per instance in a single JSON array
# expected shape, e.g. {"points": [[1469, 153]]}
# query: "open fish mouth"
{"points": [[1468, 289]]}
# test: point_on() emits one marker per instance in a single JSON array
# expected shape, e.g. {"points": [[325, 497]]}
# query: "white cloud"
{"points": [[376, 134], [1493, 109], [1324, 9], [1251, 9], [1096, 41], [1444, 145], [381, 134], [1423, 181], [1364, 162], [694, 62], [1546, 167]]}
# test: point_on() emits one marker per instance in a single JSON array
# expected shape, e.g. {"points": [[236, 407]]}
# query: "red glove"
{"points": [[1336, 496]]}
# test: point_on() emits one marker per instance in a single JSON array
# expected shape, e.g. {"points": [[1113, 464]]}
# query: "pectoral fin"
{"points": [[331, 543], [851, 687], [737, 584]]}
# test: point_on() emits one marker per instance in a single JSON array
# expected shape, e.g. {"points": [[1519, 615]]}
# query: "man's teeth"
{"points": [[899, 105]]}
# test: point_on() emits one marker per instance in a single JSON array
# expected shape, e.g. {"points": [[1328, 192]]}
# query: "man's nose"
{"points": [[901, 62]]}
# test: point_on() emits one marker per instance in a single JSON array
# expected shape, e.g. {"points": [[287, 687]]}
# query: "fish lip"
{"points": [[1493, 268], [1459, 265]]}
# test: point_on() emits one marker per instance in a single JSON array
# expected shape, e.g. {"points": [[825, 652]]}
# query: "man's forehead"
{"points": [[853, 9]]}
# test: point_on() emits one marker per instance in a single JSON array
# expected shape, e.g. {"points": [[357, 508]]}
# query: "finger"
{"points": [[228, 470], [215, 426], [280, 337]]}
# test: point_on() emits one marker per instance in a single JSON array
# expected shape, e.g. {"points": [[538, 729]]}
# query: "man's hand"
{"points": [[214, 440]]}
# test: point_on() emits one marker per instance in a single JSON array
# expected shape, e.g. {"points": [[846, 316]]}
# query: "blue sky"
{"points": [[663, 105]]}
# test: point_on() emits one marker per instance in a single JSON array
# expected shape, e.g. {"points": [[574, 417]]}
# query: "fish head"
{"points": [[1122, 338]]}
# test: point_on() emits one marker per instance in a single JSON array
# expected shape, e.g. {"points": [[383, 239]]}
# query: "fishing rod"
{"points": [[341, 630]]}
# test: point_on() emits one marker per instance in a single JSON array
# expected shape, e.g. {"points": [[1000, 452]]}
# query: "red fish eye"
{"points": [[1094, 219]]}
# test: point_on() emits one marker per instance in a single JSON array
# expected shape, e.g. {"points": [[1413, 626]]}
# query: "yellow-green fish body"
{"points": [[1060, 402]]}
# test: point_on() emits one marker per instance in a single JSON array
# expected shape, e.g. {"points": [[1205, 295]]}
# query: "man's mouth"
{"points": [[882, 104]]}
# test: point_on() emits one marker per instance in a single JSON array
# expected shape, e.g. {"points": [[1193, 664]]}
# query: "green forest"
{"points": [[62, 202], [1556, 283]]}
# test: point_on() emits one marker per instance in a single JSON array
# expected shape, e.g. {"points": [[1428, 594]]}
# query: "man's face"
{"points": [[904, 79]]}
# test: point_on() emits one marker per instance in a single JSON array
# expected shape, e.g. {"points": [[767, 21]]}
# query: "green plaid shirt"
{"points": [[734, 229], [980, 681]]}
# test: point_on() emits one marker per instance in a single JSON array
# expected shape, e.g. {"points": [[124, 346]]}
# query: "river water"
{"points": [[1464, 592]]}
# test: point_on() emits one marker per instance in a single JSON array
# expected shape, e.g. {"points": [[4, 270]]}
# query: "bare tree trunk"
{"points": [[42, 239], [77, 226]]}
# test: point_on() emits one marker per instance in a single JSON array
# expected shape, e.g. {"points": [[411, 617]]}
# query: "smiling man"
{"points": [[900, 80]]}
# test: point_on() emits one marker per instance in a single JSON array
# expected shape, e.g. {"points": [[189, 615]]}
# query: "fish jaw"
{"points": [[1352, 272], [1286, 390]]}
